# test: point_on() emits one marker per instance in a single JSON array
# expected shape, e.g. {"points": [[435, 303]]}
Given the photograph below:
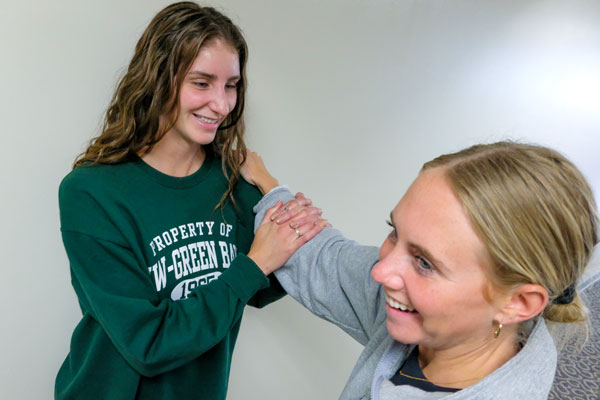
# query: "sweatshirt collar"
{"points": [[530, 371], [173, 181]]}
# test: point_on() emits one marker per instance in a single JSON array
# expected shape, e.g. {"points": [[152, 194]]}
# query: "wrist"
{"points": [[266, 183], [260, 263]]}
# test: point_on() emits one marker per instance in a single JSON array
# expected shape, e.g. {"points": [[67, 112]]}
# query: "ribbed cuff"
{"points": [[244, 278]]}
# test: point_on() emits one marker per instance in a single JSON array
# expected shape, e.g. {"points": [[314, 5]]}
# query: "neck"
{"points": [[175, 159], [464, 365]]}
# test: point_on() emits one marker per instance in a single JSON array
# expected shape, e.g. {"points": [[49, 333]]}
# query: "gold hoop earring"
{"points": [[497, 331]]}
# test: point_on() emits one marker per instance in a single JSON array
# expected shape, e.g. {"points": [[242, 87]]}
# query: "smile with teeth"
{"points": [[207, 120], [397, 305]]}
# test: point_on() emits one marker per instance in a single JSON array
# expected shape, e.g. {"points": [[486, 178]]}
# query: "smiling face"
{"points": [[207, 95], [432, 269]]}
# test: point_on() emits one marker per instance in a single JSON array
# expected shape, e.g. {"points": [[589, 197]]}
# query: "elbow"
{"points": [[149, 366], [146, 368]]}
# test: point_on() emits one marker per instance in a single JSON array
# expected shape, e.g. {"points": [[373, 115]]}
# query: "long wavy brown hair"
{"points": [[150, 89]]}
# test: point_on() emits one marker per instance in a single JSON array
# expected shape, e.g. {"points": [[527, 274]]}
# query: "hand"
{"points": [[275, 243], [299, 211], [253, 170]]}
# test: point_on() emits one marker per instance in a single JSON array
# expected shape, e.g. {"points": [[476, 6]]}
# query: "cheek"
{"points": [[186, 95], [459, 306], [425, 297], [232, 100]]}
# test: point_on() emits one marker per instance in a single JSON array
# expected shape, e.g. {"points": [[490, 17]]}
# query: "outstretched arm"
{"points": [[330, 275]]}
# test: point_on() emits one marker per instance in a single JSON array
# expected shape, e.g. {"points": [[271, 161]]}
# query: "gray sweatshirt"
{"points": [[330, 275]]}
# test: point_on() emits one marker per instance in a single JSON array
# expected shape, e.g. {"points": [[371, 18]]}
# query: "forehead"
{"points": [[432, 217], [217, 56]]}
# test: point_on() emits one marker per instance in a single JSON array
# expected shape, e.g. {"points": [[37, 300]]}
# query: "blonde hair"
{"points": [[534, 212]]}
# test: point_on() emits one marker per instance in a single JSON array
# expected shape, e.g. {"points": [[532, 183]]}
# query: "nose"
{"points": [[219, 102], [389, 270]]}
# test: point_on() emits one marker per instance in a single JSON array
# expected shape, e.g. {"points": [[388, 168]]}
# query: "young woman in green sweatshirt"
{"points": [[158, 227]]}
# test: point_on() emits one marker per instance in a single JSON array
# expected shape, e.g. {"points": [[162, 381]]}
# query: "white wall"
{"points": [[347, 99]]}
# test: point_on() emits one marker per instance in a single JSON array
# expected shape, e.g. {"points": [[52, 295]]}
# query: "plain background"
{"points": [[346, 100]]}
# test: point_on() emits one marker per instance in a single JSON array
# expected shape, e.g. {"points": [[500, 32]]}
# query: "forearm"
{"points": [[266, 183], [154, 335], [255, 172]]}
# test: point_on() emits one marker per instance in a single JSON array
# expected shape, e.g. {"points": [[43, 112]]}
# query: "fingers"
{"points": [[307, 216], [273, 243], [304, 235], [271, 211], [296, 214], [291, 209]]}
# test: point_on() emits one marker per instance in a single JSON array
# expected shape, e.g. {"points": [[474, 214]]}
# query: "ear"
{"points": [[524, 303]]}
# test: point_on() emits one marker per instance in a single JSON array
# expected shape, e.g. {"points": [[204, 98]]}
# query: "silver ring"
{"points": [[298, 232]]}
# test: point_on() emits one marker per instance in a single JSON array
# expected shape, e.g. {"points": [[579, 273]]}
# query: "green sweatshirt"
{"points": [[161, 278]]}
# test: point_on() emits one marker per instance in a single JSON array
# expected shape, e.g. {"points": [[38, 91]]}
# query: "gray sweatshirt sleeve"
{"points": [[330, 275]]}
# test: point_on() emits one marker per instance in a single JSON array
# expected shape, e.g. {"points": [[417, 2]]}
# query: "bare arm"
{"points": [[254, 172]]}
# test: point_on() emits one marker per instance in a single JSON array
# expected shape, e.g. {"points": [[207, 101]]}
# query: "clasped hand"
{"points": [[283, 230]]}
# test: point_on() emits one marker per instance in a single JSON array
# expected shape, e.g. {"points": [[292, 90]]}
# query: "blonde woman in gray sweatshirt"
{"points": [[485, 247]]}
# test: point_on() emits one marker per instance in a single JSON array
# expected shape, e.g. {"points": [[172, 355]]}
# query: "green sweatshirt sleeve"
{"points": [[155, 336], [267, 296], [250, 197]]}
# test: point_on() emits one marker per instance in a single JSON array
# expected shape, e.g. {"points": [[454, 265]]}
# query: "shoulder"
{"points": [[246, 197], [87, 194], [245, 194], [246, 191], [90, 176], [80, 180], [96, 178]]}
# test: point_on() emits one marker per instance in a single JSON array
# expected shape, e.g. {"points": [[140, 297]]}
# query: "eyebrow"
{"points": [[210, 76], [423, 251]]}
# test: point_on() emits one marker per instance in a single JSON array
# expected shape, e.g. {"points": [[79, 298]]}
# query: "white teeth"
{"points": [[207, 120], [399, 306]]}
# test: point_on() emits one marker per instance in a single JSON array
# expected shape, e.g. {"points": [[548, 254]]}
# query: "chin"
{"points": [[403, 334], [205, 138]]}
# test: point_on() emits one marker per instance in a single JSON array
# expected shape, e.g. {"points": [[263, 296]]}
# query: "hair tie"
{"points": [[567, 296]]}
